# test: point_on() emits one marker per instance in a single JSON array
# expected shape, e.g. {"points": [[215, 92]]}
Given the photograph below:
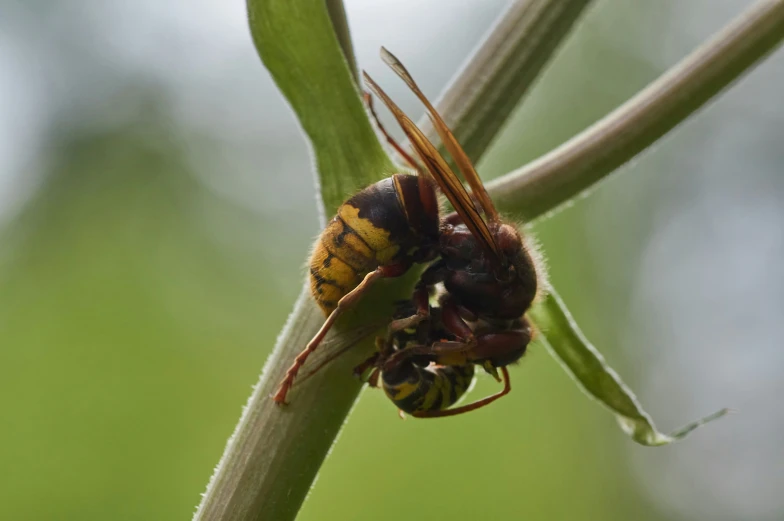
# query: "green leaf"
{"points": [[562, 336], [297, 43]]}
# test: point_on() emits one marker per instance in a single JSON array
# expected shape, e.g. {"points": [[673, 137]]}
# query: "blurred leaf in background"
{"points": [[157, 209]]}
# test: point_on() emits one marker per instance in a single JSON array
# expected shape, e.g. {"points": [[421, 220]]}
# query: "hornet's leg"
{"points": [[452, 317], [371, 361], [422, 305], [421, 298], [347, 301], [373, 378], [396, 359], [329, 359], [471, 406], [362, 368]]}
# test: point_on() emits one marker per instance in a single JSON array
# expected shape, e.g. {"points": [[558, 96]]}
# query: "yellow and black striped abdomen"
{"points": [[419, 389], [371, 229], [339, 261]]}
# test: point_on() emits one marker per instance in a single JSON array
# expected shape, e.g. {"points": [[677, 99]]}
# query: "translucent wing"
{"points": [[447, 137], [435, 164]]}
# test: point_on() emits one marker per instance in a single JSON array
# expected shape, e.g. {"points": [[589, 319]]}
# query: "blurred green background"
{"points": [[156, 208]]}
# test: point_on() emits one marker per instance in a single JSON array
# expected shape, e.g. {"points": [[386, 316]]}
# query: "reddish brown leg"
{"points": [[347, 301], [454, 323], [373, 378], [399, 149], [448, 347], [471, 406], [360, 335], [421, 299], [434, 352], [393, 361], [362, 367], [372, 361]]}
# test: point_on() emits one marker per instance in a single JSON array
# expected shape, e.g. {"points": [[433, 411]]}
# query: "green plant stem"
{"points": [[274, 454], [337, 14], [546, 183], [317, 81], [509, 60]]}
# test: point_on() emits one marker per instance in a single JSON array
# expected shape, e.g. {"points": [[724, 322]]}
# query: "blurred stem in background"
{"points": [[273, 456]]}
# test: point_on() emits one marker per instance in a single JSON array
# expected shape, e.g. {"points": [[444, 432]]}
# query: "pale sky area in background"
{"points": [[194, 54], [203, 54], [708, 299]]}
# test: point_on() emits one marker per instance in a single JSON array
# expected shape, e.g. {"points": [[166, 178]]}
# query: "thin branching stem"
{"points": [[546, 183], [502, 69]]}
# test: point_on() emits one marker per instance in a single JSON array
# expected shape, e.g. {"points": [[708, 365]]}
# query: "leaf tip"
{"points": [[687, 429]]}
